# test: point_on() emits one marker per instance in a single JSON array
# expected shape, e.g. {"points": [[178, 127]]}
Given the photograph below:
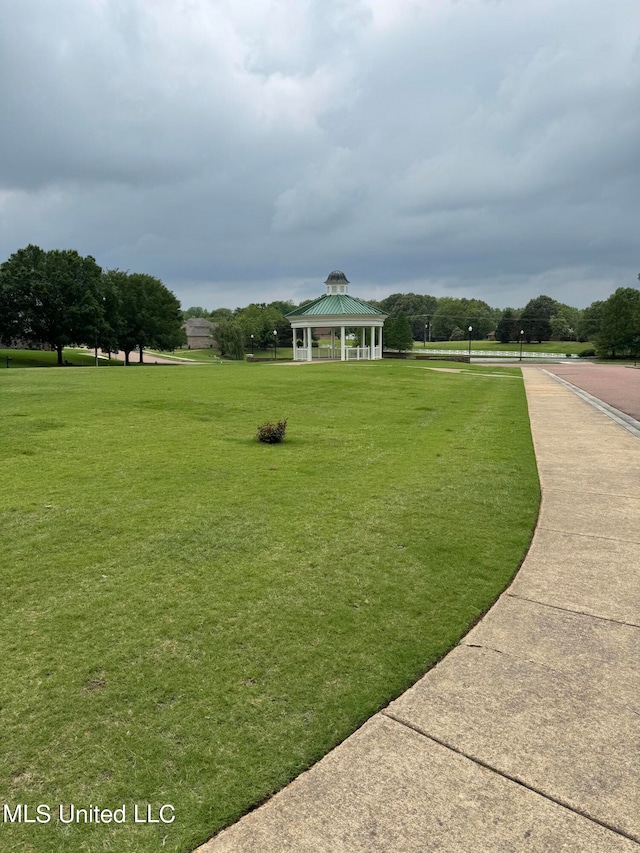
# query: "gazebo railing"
{"points": [[325, 352], [351, 353], [356, 353]]}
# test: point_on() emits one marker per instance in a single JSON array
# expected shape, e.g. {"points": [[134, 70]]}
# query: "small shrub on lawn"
{"points": [[271, 433], [587, 353]]}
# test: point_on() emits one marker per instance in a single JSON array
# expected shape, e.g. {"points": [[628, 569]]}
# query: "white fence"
{"points": [[490, 353]]}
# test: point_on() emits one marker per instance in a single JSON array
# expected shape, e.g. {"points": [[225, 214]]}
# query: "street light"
{"points": [[470, 330], [104, 299], [521, 334], [275, 344], [251, 346], [426, 326]]}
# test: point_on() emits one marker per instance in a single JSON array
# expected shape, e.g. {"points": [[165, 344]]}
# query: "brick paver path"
{"points": [[615, 384]]}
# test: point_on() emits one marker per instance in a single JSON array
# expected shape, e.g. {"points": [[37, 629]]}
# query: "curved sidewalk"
{"points": [[526, 737]]}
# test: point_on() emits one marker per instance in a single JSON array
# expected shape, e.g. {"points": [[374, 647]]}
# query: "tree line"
{"points": [[611, 323], [62, 299]]}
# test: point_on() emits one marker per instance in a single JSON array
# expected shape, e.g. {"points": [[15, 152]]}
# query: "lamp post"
{"points": [[251, 346], [104, 299], [426, 326], [521, 334], [470, 330], [275, 345]]}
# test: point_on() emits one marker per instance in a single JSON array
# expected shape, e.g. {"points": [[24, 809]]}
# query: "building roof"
{"points": [[337, 276], [334, 304], [198, 323]]}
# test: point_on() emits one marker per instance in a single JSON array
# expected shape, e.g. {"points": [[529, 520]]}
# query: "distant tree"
{"points": [[230, 339], [12, 303], [506, 329], [416, 307], [389, 334], [619, 333], [462, 313], [282, 306], [53, 297], [147, 315], [109, 321], [195, 311], [536, 318], [589, 323], [403, 333], [219, 314], [261, 321], [572, 317], [561, 328], [397, 334], [457, 334]]}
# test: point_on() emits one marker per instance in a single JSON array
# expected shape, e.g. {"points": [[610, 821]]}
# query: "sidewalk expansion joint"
{"points": [[621, 418], [585, 491], [480, 763], [587, 535], [574, 612]]}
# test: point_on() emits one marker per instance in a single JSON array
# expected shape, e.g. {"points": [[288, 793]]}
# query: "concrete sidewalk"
{"points": [[526, 737]]}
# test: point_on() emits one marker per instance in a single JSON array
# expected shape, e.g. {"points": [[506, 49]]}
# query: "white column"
{"points": [[343, 353], [333, 342], [372, 353], [310, 350], [295, 349], [380, 341]]}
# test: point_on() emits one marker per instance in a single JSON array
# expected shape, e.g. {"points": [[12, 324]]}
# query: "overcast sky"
{"points": [[240, 150]]}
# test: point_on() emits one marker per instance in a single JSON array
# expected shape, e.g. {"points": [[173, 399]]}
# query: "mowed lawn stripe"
{"points": [[191, 617]]}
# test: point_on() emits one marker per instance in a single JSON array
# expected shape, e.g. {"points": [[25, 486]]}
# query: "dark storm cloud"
{"points": [[241, 151]]}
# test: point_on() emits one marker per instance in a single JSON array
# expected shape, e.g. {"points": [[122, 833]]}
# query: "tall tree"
{"points": [[56, 296], [397, 334], [589, 323], [230, 339], [148, 314], [620, 325], [506, 329], [536, 318]]}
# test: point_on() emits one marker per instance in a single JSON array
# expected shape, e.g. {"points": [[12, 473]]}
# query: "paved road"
{"points": [[526, 737], [151, 358], [617, 385]]}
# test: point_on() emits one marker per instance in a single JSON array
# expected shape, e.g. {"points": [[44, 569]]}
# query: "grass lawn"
{"points": [[40, 358], [190, 617]]}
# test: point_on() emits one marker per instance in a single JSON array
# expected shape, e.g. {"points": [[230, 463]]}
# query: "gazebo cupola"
{"points": [[336, 282], [336, 309]]}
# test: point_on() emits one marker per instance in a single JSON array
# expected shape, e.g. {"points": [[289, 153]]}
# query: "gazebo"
{"points": [[336, 310]]}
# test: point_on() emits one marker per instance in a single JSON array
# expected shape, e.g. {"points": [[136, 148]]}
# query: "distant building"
{"points": [[199, 333]]}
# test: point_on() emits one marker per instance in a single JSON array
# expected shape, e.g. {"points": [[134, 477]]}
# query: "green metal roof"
{"points": [[336, 303]]}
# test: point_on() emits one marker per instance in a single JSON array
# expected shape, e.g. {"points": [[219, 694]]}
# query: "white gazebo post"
{"points": [[309, 344], [381, 350], [333, 342], [343, 345]]}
